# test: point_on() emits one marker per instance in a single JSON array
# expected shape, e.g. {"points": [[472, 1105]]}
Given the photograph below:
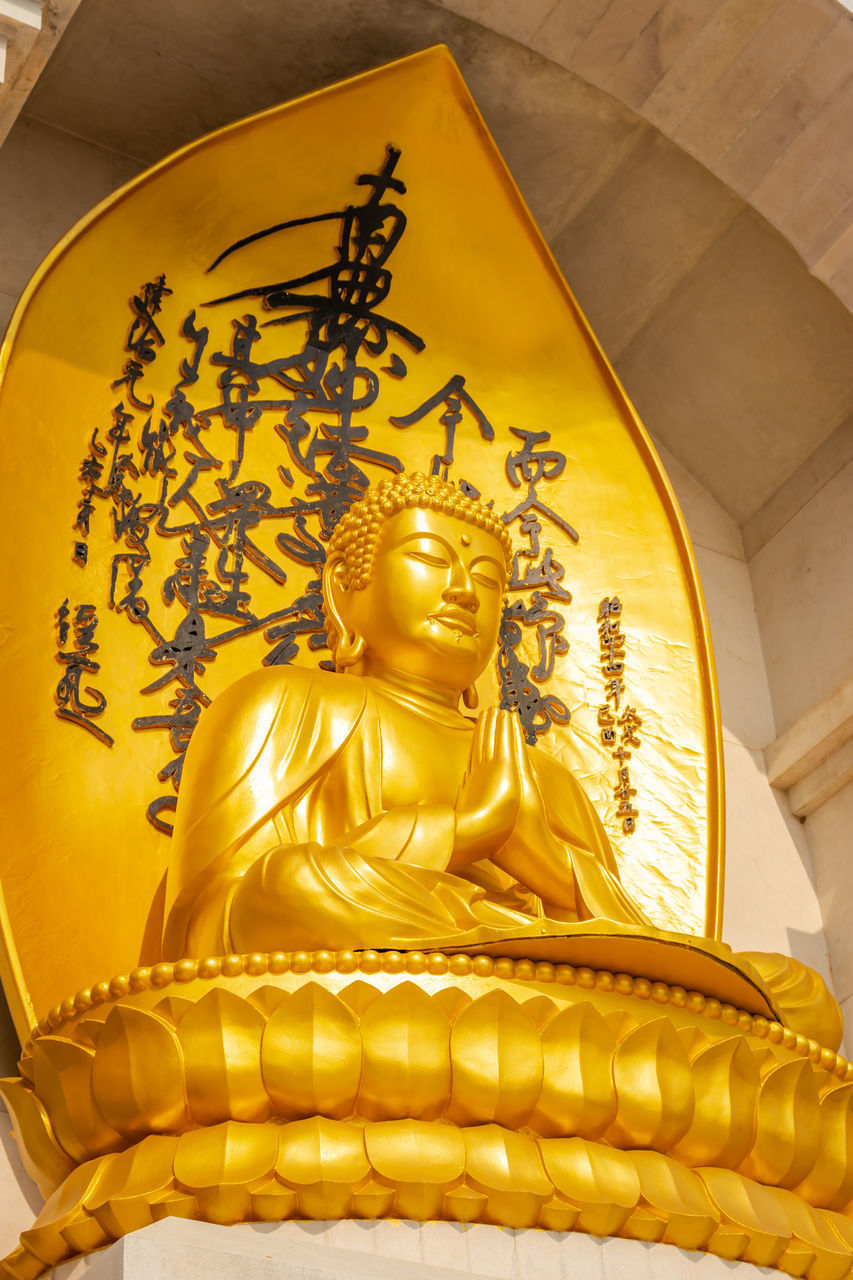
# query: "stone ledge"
{"points": [[814, 758], [176, 1249], [32, 31]]}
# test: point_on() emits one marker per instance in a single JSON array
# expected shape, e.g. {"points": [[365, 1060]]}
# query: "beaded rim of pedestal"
{"points": [[415, 963]]}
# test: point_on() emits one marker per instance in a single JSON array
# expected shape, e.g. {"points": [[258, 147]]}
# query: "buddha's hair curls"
{"points": [[357, 534]]}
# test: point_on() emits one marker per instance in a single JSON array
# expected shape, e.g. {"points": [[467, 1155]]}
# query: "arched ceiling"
{"points": [[737, 357]]}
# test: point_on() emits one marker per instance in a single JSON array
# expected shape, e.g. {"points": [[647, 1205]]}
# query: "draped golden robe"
{"points": [[282, 841]]}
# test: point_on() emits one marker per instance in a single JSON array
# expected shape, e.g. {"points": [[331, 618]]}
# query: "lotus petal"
{"points": [[497, 1062], [679, 1197], [787, 1130], [507, 1166], [601, 1182], [578, 1095], [122, 1198], [830, 1182], [62, 1076], [229, 1154], [654, 1088], [415, 1151], [754, 1209], [138, 1073], [406, 1056], [221, 1043], [320, 1150], [311, 1055], [726, 1081], [41, 1155]]}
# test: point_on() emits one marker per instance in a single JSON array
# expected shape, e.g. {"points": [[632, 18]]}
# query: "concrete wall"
{"points": [[829, 833], [803, 583], [48, 179], [802, 579]]}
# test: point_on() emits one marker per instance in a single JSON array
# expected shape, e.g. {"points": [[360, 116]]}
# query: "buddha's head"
{"points": [[414, 582]]}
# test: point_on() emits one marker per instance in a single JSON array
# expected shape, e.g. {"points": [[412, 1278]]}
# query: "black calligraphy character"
{"points": [[188, 368], [630, 724], [452, 396], [532, 465], [185, 654], [144, 336], [121, 464], [157, 448], [91, 470], [607, 725], [241, 507], [305, 617], [131, 519], [537, 711], [79, 662], [187, 706], [132, 602], [239, 383], [358, 281], [130, 375], [549, 627]]}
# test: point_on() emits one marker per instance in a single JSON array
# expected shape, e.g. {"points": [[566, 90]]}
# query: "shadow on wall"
{"points": [[10, 1047], [7, 306], [802, 945], [24, 1187]]}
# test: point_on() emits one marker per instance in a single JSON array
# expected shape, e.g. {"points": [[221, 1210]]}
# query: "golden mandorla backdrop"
{"points": [[200, 379]]}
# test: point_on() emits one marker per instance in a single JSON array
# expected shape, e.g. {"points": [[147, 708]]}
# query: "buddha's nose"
{"points": [[461, 592]]}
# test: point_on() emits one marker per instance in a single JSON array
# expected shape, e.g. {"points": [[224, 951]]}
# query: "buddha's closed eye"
{"points": [[425, 557]]}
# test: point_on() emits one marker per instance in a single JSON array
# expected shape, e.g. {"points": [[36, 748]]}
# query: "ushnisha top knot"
{"points": [[358, 532]]}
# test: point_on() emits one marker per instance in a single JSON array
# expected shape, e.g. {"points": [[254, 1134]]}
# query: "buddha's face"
{"points": [[433, 605]]}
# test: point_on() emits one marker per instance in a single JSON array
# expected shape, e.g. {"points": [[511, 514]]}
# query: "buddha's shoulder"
{"points": [[273, 689]]}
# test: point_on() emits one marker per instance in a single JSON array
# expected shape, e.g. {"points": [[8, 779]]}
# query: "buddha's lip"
{"points": [[457, 620]]}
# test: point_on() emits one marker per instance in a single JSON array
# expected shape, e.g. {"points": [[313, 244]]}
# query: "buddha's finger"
{"points": [[517, 749], [481, 735], [490, 744], [518, 740], [506, 744]]}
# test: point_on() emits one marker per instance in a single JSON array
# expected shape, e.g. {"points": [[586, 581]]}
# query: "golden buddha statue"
{"points": [[365, 808]]}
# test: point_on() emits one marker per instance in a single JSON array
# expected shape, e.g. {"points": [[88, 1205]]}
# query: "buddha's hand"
{"points": [[498, 783]]}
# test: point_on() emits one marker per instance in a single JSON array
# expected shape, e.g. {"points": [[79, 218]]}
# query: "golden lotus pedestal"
{"points": [[431, 1086]]}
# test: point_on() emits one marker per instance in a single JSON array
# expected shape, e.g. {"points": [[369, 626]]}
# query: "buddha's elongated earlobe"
{"points": [[470, 697], [349, 649], [346, 643]]}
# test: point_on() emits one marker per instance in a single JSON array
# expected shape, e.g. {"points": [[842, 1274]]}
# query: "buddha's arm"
{"points": [[421, 835], [263, 741]]}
